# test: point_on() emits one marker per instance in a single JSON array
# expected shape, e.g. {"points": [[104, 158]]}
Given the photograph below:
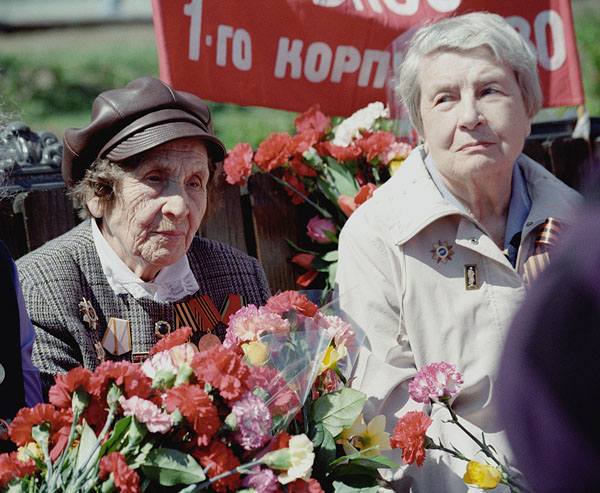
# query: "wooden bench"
{"points": [[254, 219]]}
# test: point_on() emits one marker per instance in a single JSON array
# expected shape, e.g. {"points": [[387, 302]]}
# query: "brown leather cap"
{"points": [[125, 122]]}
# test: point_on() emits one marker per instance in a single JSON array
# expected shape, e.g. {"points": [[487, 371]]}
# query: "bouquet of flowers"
{"points": [[334, 165], [260, 412], [438, 383]]}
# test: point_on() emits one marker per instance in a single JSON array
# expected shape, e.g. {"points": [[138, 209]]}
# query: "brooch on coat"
{"points": [[442, 252]]}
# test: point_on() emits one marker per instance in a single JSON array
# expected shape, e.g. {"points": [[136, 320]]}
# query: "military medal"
{"points": [[162, 329], [442, 252]]}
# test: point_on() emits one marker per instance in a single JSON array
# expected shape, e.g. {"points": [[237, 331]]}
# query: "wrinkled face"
{"points": [[158, 207], [474, 119]]}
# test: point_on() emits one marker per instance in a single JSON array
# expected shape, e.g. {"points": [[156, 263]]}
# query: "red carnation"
{"points": [[374, 144], [61, 393], [283, 398], [175, 338], [301, 142], [273, 152], [301, 486], [20, 427], [196, 407], [223, 369], [299, 188], [125, 478], [287, 300], [238, 164], [221, 459], [11, 467], [340, 153], [126, 375], [313, 118], [300, 168], [408, 435]]}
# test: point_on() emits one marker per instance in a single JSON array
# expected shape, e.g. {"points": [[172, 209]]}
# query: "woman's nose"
{"points": [[176, 200], [470, 114]]}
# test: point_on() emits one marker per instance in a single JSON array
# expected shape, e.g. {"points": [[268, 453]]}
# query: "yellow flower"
{"points": [[301, 457], [395, 164], [332, 356], [256, 352], [33, 449], [360, 436], [482, 475]]}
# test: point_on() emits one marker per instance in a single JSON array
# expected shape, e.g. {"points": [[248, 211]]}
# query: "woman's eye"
{"points": [[489, 90], [442, 100], [154, 178]]}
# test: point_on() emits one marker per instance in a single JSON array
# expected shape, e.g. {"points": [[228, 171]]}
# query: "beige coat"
{"points": [[413, 303]]}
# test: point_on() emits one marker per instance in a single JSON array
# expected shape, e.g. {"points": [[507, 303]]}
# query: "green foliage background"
{"points": [[50, 78]]}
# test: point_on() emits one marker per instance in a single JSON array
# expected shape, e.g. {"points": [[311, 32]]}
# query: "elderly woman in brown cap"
{"points": [[135, 270]]}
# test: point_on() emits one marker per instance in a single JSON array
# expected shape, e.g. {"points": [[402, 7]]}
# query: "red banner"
{"points": [[291, 54]]}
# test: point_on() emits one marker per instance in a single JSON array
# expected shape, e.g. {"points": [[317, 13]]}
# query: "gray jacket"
{"points": [[57, 276]]}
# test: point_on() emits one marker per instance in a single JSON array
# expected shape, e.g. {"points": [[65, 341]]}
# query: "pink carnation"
{"points": [[263, 481], [398, 150], [340, 331], [253, 421], [148, 413], [238, 164], [317, 228], [435, 381], [249, 322]]}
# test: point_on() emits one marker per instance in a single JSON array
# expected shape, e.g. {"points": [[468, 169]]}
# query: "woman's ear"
{"points": [[96, 207]]}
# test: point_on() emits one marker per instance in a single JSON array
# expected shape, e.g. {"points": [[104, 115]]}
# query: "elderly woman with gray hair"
{"points": [[434, 266], [135, 269]]}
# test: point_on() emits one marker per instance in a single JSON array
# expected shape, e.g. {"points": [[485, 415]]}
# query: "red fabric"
{"points": [[293, 54]]}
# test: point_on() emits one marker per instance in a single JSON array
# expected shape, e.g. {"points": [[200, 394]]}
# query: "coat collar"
{"points": [[412, 191]]}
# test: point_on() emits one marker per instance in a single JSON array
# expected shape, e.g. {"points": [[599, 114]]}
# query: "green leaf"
{"points": [[331, 256], [353, 485], [343, 178], [116, 437], [87, 442], [324, 454], [375, 462], [170, 467], [338, 410], [332, 274]]}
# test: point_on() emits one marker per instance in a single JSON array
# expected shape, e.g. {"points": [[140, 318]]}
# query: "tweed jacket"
{"points": [[405, 257], [59, 275]]}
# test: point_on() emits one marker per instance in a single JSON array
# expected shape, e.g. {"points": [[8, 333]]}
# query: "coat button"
{"points": [[2, 373], [475, 241]]}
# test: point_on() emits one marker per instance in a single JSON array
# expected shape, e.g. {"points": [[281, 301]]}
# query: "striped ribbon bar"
{"points": [[545, 241]]}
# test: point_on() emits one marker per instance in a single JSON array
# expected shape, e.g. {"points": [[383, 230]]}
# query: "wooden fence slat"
{"points": [[46, 215], [274, 218], [225, 222], [568, 157]]}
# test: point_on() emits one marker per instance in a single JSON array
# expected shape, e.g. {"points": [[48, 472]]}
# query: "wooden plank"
{"points": [[46, 215], [225, 221], [274, 218], [12, 229], [568, 157], [536, 150]]}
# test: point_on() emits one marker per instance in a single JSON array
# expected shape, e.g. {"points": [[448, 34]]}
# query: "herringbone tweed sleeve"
{"points": [[59, 275]]}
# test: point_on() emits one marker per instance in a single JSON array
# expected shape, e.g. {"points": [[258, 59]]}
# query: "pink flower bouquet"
{"points": [[263, 410]]}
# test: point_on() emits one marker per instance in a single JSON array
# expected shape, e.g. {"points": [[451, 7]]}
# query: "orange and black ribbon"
{"points": [[545, 241], [200, 313]]}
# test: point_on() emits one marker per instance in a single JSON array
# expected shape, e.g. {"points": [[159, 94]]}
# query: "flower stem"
{"points": [[484, 448], [321, 211], [83, 471], [52, 486], [243, 469]]}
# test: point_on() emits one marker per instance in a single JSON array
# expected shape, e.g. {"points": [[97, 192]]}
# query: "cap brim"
{"points": [[152, 137]]}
